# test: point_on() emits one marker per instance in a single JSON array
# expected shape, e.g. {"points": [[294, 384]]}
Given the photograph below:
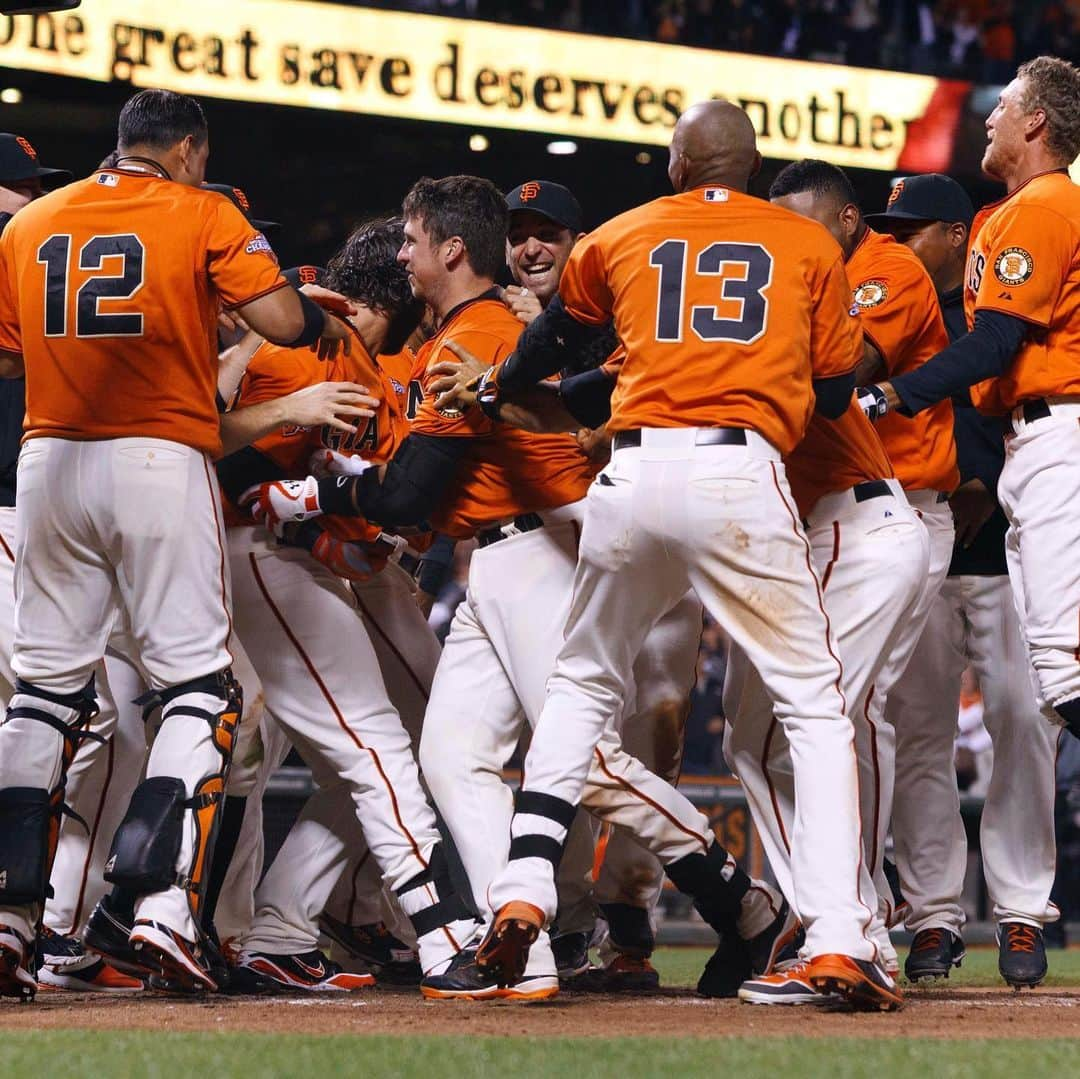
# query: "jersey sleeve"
{"points": [[835, 334], [583, 287], [240, 261], [1028, 258], [892, 302], [10, 337], [486, 347]]}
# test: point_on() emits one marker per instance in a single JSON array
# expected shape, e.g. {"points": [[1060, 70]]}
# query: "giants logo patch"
{"points": [[1013, 266], [871, 293]]}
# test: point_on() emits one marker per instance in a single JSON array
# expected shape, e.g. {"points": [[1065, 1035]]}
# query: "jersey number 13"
{"points": [[749, 273]]}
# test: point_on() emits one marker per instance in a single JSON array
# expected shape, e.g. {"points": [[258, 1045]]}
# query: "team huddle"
{"points": [[852, 441]]}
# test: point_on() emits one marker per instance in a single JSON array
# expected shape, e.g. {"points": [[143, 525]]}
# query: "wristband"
{"points": [[487, 394], [314, 323]]}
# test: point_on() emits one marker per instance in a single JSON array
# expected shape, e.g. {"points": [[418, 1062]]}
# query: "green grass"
{"points": [[89, 1055], [682, 966]]}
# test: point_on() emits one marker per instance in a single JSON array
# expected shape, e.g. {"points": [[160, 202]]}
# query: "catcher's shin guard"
{"points": [[148, 850], [440, 917], [715, 883], [45, 730]]}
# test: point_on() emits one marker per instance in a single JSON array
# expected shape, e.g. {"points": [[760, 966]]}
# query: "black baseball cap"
{"points": [[240, 201], [304, 275], [19, 161], [549, 199], [925, 198]]}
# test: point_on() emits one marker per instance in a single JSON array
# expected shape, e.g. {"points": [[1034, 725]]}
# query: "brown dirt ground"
{"points": [[940, 1013]]}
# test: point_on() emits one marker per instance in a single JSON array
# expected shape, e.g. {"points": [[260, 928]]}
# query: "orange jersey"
{"points": [[275, 371], [835, 455], [505, 471], [1024, 260], [398, 367], [110, 289], [721, 300], [901, 318]]}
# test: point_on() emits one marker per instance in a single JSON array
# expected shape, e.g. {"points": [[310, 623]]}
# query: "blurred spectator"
{"points": [[998, 41], [974, 750], [703, 740]]}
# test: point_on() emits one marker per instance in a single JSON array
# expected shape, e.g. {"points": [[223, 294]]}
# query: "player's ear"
{"points": [[849, 218], [454, 251], [958, 234], [756, 167], [1034, 124]]}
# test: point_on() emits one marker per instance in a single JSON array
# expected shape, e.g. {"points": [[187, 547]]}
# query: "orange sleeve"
{"points": [[835, 333], [486, 347], [10, 337], [1027, 261], [583, 286], [241, 262], [892, 303]]}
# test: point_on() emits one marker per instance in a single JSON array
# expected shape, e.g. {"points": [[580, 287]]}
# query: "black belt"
{"points": [[871, 489], [1035, 410], [706, 436], [525, 522]]}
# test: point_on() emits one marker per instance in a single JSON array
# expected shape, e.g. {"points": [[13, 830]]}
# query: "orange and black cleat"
{"points": [[504, 951], [862, 983]]}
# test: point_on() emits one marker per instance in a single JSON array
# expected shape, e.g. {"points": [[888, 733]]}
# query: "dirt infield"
{"points": [[940, 1013]]}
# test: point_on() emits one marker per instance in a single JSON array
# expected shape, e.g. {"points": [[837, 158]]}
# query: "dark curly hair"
{"points": [[366, 270], [818, 177], [466, 206]]}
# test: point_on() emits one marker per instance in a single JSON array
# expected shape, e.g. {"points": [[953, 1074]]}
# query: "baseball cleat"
{"points": [[65, 964], [309, 972], [391, 961], [934, 952], [1021, 954], [571, 952], [169, 956], [464, 980], [504, 951], [629, 974], [16, 963], [789, 987], [861, 982], [107, 934]]}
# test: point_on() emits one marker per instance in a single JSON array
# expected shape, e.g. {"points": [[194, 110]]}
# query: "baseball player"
{"points": [[545, 223], [455, 235], [65, 962], [301, 626], [902, 328], [714, 473], [88, 314], [1021, 302]]}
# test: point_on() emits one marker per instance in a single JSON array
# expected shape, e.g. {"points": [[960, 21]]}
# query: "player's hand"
{"points": [[343, 558], [325, 403], [872, 400], [456, 386], [595, 443], [231, 322], [972, 505], [280, 501], [329, 300], [326, 462], [337, 332], [522, 303]]}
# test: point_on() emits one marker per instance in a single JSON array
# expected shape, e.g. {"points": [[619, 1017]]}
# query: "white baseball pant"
{"points": [[323, 685], [973, 620], [128, 528], [872, 557]]}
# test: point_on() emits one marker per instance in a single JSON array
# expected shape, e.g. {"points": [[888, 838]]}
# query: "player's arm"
{"points": [[11, 364], [324, 404], [233, 362], [836, 339]]}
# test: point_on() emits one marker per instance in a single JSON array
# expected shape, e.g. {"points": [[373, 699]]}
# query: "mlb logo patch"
{"points": [[108, 179], [716, 194]]}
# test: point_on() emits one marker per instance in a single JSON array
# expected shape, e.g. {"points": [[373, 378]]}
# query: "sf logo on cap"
{"points": [[309, 275], [529, 191], [895, 193], [242, 199], [27, 148]]}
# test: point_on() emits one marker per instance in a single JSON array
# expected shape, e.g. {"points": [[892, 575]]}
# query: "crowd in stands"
{"points": [[982, 40]]}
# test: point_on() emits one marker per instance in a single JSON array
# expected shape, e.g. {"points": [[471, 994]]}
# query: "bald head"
{"points": [[713, 143]]}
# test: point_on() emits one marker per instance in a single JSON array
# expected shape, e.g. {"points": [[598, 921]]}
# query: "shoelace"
{"points": [[1020, 937], [931, 940]]}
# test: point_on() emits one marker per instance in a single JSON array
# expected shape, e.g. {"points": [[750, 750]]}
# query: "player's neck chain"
{"points": [[144, 164]]}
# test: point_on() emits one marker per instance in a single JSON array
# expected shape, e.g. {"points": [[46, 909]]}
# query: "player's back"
{"points": [[714, 294], [113, 288]]}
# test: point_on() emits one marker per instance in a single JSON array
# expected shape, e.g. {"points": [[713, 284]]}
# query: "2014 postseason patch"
{"points": [[1013, 266], [871, 293], [259, 243]]}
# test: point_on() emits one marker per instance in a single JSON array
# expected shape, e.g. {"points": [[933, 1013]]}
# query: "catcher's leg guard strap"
{"points": [[714, 881], [147, 843], [429, 898], [25, 817]]}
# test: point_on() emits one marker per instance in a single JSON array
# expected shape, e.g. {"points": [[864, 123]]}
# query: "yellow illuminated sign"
{"points": [[453, 71]]}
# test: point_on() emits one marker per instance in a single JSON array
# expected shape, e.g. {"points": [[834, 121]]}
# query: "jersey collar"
{"points": [[488, 294]]}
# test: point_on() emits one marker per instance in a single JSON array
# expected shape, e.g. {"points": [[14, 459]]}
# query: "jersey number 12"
{"points": [[747, 288]]}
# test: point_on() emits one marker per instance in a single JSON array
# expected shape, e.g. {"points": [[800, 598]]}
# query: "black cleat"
{"points": [[392, 961], [775, 942], [464, 980], [1021, 954], [727, 969], [934, 952], [504, 952], [106, 933], [571, 951]]}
